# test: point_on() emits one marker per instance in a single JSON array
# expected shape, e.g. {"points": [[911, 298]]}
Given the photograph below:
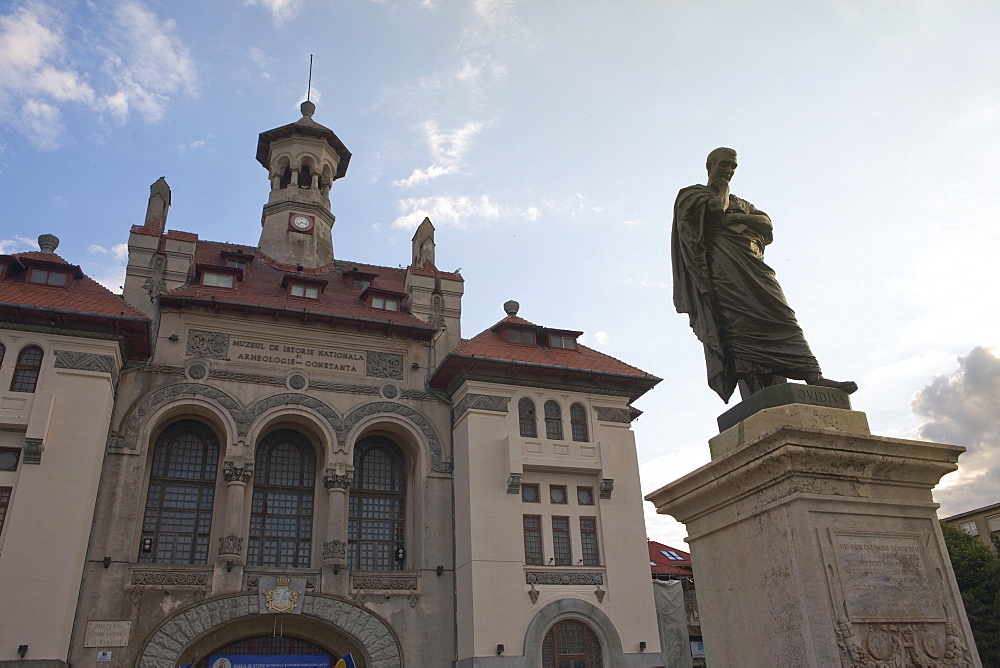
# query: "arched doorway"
{"points": [[571, 644]]}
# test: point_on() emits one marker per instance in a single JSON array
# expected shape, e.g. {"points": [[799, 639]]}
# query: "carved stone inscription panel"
{"points": [[884, 578]]}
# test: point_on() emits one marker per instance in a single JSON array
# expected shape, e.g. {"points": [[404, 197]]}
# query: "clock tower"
{"points": [[302, 159]]}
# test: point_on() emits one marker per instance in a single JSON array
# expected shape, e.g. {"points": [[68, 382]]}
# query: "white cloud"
{"points": [[658, 472], [17, 244], [111, 272], [445, 209], [632, 222], [281, 10], [601, 338], [259, 57], [198, 143], [118, 251], [447, 151], [156, 64], [41, 123]]}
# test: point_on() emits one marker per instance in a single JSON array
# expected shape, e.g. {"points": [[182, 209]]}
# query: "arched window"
{"points": [[526, 418], [578, 422], [3, 350], [29, 364], [553, 420], [571, 644], [178, 516], [281, 512], [377, 516]]}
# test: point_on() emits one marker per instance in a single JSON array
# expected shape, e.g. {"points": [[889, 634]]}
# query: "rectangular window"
{"points": [[560, 541], [671, 555], [307, 291], [517, 336], [567, 342], [217, 280], [42, 277], [236, 264], [385, 304], [533, 540], [993, 523], [588, 541], [585, 496], [969, 528], [557, 493], [362, 284], [5, 493]]}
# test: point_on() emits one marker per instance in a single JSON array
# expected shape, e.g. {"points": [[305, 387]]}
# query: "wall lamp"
{"points": [[440, 570], [106, 561], [336, 569], [499, 649], [642, 645], [22, 650], [229, 567]]}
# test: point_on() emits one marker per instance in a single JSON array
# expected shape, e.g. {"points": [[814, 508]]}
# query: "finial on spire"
{"points": [[511, 308]]}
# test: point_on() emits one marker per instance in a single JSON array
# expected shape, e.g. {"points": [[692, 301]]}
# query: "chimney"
{"points": [[159, 204]]}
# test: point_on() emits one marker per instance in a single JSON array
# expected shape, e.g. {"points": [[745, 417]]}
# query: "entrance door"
{"points": [[270, 644]]}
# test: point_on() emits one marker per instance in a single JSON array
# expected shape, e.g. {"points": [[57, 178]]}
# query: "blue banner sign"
{"points": [[269, 661]]}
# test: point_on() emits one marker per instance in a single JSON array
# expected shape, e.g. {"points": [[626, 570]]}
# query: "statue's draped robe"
{"points": [[736, 307]]}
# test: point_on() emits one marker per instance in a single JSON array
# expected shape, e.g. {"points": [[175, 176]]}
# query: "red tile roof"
{"points": [[662, 565], [494, 347], [263, 278], [83, 303]]}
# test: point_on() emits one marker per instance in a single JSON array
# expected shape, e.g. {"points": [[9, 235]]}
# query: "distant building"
{"points": [[270, 450], [984, 523], [676, 605], [668, 563]]}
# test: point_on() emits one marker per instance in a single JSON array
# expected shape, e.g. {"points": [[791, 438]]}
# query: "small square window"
{"points": [[361, 284], [214, 280], [969, 528], [385, 304], [236, 264], [518, 336], [42, 277], [585, 496], [567, 342], [557, 493], [529, 494], [306, 291]]}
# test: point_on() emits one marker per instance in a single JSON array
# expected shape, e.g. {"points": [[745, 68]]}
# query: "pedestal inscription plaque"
{"points": [[884, 578]]}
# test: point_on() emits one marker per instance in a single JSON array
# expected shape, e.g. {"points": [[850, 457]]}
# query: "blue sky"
{"points": [[546, 141]]}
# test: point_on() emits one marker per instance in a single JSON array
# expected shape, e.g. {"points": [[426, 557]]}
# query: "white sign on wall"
{"points": [[107, 634]]}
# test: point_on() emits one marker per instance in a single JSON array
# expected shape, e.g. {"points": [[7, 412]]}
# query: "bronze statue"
{"points": [[734, 302]]}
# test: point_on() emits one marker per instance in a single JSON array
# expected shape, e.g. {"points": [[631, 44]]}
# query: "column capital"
{"points": [[237, 470], [338, 478]]}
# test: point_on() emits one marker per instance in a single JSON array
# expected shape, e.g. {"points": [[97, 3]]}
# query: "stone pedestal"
{"points": [[820, 546]]}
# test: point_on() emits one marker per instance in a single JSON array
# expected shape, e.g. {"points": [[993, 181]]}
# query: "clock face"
{"points": [[301, 222]]}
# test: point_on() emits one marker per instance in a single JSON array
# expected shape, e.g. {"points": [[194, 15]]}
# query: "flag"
{"points": [[346, 662]]}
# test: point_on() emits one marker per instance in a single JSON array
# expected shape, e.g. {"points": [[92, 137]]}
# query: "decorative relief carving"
{"points": [[482, 402], [533, 594], [148, 404], [334, 550], [135, 596], [294, 399], [932, 644], [514, 483], [143, 578], [359, 597], [202, 343], [252, 378], [297, 381], [197, 371], [253, 581], [33, 448], [390, 391], [413, 598], [343, 387], [184, 627], [159, 369], [607, 486], [237, 470], [71, 359], [607, 414], [230, 546], [385, 582], [599, 593], [563, 578], [383, 365], [155, 284], [331, 479], [413, 416]]}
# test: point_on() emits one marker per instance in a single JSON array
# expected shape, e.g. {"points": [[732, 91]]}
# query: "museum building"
{"points": [[267, 450]]}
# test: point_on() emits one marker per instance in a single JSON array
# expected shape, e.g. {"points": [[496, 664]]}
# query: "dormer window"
{"points": [[47, 277], [521, 336], [3, 269], [358, 279], [236, 259], [236, 264], [559, 341], [385, 303], [361, 284], [304, 291], [214, 280]]}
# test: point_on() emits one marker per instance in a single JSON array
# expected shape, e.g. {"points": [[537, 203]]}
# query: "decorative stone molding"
{"points": [[482, 402], [150, 578], [133, 421], [544, 385], [165, 645], [421, 395], [353, 388], [897, 644], [333, 479], [514, 483], [212, 345], [390, 391], [607, 414], [230, 546], [251, 378], [383, 365], [359, 597], [295, 399], [418, 420], [533, 594], [563, 578], [335, 550], [237, 471], [135, 596], [607, 486], [413, 598], [33, 448], [297, 381], [71, 359], [384, 582], [599, 593], [197, 371], [252, 579]]}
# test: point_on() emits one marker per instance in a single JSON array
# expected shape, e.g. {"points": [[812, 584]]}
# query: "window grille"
{"points": [[553, 421], [578, 422], [29, 365], [526, 418], [377, 509]]}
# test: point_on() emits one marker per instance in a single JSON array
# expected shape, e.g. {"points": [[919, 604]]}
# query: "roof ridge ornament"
{"points": [[511, 308]]}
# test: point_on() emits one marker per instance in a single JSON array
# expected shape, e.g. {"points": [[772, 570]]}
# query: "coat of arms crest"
{"points": [[281, 599]]}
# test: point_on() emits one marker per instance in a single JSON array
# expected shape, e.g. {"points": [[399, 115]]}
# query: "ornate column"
{"points": [[237, 473], [337, 481]]}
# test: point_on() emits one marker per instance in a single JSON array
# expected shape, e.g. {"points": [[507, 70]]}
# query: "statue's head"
{"points": [[721, 163]]}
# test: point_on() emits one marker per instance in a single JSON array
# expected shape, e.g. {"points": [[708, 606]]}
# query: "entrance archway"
{"points": [[283, 645], [331, 623]]}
